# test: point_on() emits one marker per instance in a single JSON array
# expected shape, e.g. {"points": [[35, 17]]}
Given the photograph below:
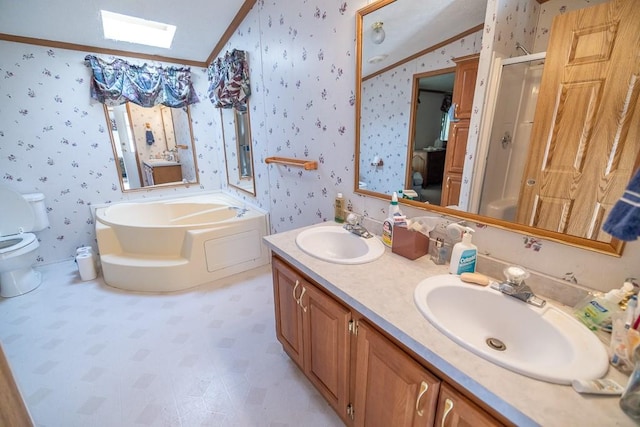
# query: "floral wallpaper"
{"points": [[54, 140], [302, 67], [386, 101], [553, 8]]}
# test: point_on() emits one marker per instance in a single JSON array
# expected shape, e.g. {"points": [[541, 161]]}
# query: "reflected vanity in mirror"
{"points": [[152, 146], [501, 191], [236, 132]]}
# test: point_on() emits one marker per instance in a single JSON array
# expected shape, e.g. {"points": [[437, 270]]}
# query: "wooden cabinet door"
{"points": [[457, 147], [327, 346], [455, 410], [585, 140], [454, 163], [464, 86], [392, 389], [166, 174], [314, 331], [451, 190], [287, 288]]}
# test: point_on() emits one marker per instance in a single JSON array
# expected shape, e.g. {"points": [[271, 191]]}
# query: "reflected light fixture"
{"points": [[377, 58], [378, 34]]}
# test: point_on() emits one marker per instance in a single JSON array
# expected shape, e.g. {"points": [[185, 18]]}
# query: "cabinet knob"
{"points": [[423, 389], [448, 406]]}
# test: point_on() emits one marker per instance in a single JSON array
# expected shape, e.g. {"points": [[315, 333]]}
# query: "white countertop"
{"points": [[383, 292], [154, 163]]}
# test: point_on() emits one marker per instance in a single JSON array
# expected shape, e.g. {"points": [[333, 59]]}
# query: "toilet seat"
{"points": [[7, 244]]}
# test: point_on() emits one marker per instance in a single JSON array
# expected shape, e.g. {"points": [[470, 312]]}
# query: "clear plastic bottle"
{"points": [[339, 216], [630, 400]]}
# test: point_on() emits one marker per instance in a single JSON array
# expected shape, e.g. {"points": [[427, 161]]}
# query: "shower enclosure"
{"points": [[517, 85]]}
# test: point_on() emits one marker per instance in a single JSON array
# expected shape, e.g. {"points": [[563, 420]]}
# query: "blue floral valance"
{"points": [[118, 82], [229, 80]]}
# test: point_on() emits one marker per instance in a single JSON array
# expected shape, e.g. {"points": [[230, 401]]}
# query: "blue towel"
{"points": [[624, 219]]}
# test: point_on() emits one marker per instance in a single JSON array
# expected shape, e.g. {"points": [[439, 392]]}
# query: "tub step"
{"points": [[136, 260]]}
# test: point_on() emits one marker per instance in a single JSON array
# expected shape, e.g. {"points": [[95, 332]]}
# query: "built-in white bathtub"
{"points": [[174, 244]]}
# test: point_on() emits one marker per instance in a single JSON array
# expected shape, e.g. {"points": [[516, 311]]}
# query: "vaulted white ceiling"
{"points": [[413, 25], [200, 23]]}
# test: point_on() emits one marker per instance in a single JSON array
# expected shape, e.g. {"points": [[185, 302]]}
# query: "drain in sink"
{"points": [[496, 344]]}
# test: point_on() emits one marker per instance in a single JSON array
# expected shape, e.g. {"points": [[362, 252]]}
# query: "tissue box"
{"points": [[409, 243]]}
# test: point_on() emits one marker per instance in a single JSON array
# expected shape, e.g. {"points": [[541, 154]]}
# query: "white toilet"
{"points": [[502, 209], [18, 248]]}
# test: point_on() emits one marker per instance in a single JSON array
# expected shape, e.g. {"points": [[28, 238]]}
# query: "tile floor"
{"points": [[85, 354]]}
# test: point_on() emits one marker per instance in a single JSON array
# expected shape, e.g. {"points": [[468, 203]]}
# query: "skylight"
{"points": [[136, 30]]}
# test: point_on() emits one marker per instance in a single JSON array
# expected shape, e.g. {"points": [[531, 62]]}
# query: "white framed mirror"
{"points": [[153, 147]]}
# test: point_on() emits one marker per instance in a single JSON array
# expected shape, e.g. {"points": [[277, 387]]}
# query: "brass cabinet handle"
{"points": [[423, 389], [448, 406], [300, 299], [294, 292]]}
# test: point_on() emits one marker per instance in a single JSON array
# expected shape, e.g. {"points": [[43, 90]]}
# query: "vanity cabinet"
{"points": [[463, 89], [455, 410], [314, 331], [162, 174], [392, 389], [365, 376]]}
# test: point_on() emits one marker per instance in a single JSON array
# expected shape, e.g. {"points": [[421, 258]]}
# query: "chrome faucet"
{"points": [[353, 225], [515, 286]]}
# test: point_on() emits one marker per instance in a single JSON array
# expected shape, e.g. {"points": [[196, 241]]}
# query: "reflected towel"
{"points": [[624, 219], [150, 138]]}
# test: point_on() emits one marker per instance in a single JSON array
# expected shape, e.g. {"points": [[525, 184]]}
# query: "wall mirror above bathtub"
{"points": [[238, 151], [581, 154], [153, 147]]}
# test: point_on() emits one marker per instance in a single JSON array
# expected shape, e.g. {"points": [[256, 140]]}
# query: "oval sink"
{"points": [[337, 245], [542, 343]]}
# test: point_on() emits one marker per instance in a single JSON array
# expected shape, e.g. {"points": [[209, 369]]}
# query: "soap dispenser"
{"points": [[390, 222], [464, 255]]}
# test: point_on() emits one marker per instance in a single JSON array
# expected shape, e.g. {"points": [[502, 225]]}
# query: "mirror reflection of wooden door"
{"points": [[463, 90], [586, 133]]}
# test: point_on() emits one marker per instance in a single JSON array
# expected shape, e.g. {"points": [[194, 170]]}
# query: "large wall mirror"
{"points": [[515, 156], [238, 152], [153, 147]]}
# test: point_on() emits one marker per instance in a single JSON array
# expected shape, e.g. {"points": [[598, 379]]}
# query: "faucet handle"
{"points": [[515, 274], [353, 219]]}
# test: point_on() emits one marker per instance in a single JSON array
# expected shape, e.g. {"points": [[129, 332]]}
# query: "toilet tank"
{"points": [[36, 201]]}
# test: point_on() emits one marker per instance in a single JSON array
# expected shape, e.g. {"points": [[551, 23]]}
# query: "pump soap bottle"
{"points": [[464, 255]]}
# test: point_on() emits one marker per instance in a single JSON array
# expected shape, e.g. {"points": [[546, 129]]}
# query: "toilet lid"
{"points": [[16, 214]]}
